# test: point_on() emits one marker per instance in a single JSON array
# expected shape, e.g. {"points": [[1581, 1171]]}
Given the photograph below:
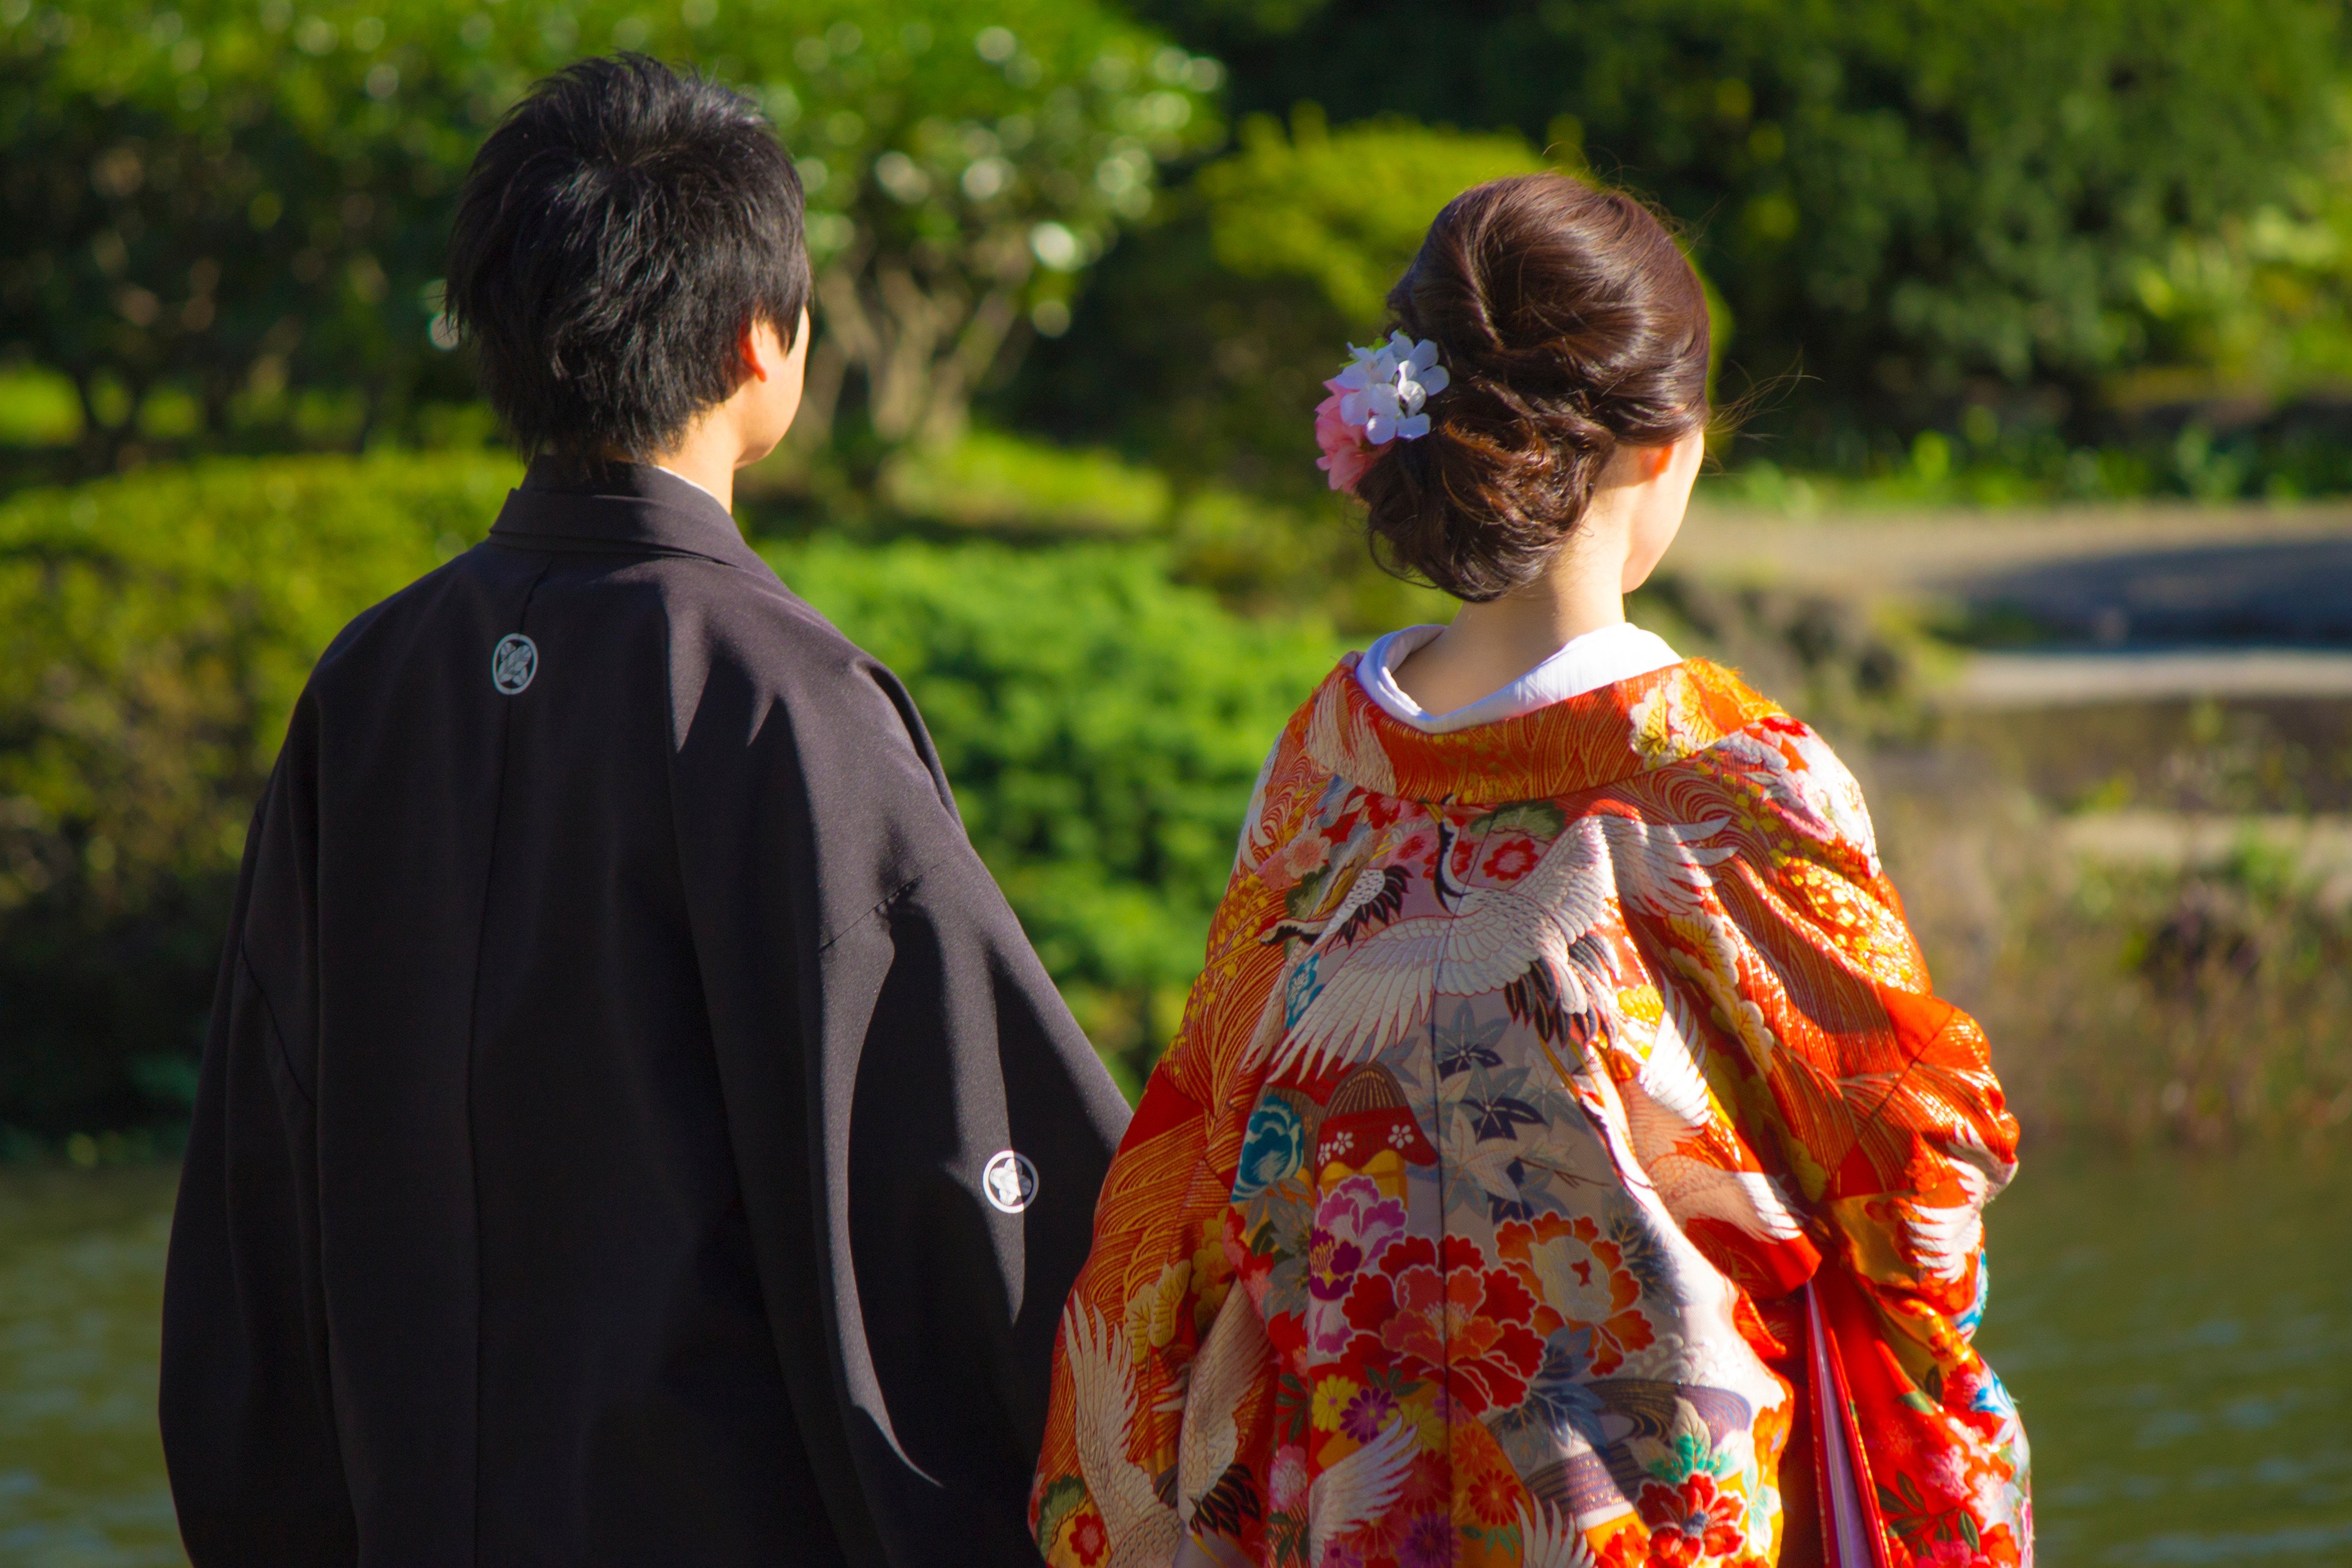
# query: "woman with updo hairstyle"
{"points": [[1572, 328], [1564, 1159]]}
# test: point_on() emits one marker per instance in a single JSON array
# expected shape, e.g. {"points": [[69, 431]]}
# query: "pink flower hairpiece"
{"points": [[1375, 400]]}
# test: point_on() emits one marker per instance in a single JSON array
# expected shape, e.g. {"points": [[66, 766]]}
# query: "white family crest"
{"points": [[1010, 1180], [513, 662]]}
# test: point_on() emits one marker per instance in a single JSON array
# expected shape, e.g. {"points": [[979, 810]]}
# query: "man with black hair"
{"points": [[633, 1129]]}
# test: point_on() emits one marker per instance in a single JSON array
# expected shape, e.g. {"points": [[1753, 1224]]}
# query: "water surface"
{"points": [[81, 1277], [2179, 1333]]}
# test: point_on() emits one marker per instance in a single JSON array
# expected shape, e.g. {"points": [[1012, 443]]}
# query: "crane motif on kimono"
{"points": [[1537, 939], [1143, 1527]]}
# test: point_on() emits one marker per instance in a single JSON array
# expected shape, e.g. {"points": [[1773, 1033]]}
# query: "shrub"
{"points": [[154, 632], [1924, 202], [1206, 346], [1102, 726], [2205, 1006], [988, 481]]}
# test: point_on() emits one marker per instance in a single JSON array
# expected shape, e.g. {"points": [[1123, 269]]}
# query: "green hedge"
{"points": [[154, 632], [1920, 206], [1102, 727]]}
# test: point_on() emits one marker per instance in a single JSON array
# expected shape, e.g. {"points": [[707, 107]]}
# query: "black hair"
{"points": [[617, 233]]}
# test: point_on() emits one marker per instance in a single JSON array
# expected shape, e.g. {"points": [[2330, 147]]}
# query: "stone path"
{"points": [[2151, 675], [2125, 603]]}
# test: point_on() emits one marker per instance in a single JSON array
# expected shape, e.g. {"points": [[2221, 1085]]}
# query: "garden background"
{"points": [[2037, 319]]}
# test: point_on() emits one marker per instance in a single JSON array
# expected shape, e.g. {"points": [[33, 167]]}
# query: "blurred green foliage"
{"points": [[991, 480], [2097, 248], [1343, 212], [1203, 345], [2205, 1006], [1102, 726], [154, 632], [37, 409], [1922, 205], [244, 204], [2260, 305]]}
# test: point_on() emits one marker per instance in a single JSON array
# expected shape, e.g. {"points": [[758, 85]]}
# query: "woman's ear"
{"points": [[1678, 462]]}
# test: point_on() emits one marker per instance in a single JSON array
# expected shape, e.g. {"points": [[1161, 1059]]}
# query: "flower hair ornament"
{"points": [[1376, 400]]}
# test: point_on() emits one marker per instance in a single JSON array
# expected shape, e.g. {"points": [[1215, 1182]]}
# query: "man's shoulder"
{"points": [[719, 635], [748, 617], [392, 619], [742, 645]]}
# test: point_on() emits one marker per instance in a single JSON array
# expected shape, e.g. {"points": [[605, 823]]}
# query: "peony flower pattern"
{"points": [[1464, 1325], [1434, 1271], [1582, 1280], [1353, 1225]]}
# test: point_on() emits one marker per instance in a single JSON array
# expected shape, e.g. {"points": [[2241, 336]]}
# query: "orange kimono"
{"points": [[1561, 1130]]}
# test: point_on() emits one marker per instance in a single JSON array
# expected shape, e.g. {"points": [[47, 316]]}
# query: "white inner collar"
{"points": [[1586, 663], [673, 473]]}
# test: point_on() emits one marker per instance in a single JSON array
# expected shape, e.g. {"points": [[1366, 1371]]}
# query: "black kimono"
{"points": [[633, 1129]]}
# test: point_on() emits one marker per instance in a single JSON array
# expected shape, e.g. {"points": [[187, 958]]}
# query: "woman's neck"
{"points": [[1489, 646], [1628, 523]]}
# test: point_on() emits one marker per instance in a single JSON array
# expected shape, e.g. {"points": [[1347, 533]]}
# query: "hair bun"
{"points": [[1570, 325]]}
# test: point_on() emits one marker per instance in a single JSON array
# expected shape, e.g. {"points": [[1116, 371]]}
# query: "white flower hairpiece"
{"points": [[1384, 387], [1376, 400]]}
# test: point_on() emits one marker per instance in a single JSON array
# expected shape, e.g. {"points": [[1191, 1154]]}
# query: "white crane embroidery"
{"points": [[1547, 1541], [1669, 1101], [1534, 938], [1216, 1381], [1144, 1531], [1947, 1237], [1359, 1487]]}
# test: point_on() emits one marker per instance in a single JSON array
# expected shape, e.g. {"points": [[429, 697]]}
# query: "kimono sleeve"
{"points": [[920, 1126], [1880, 1100], [1169, 1276], [248, 1434]]}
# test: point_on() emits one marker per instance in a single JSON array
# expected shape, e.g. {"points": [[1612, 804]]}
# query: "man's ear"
{"points": [[753, 346]]}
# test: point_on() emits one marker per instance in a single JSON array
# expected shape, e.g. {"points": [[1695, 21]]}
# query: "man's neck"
{"points": [[705, 459], [722, 497], [716, 479]]}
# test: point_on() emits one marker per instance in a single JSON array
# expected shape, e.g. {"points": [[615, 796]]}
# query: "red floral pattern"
{"points": [[1415, 1253], [1511, 859], [1464, 1324], [1692, 1522]]}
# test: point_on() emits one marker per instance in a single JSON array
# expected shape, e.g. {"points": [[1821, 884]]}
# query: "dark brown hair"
{"points": [[1569, 325]]}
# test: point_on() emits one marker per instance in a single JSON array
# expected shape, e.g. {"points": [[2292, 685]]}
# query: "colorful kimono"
{"points": [[1561, 1151]]}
